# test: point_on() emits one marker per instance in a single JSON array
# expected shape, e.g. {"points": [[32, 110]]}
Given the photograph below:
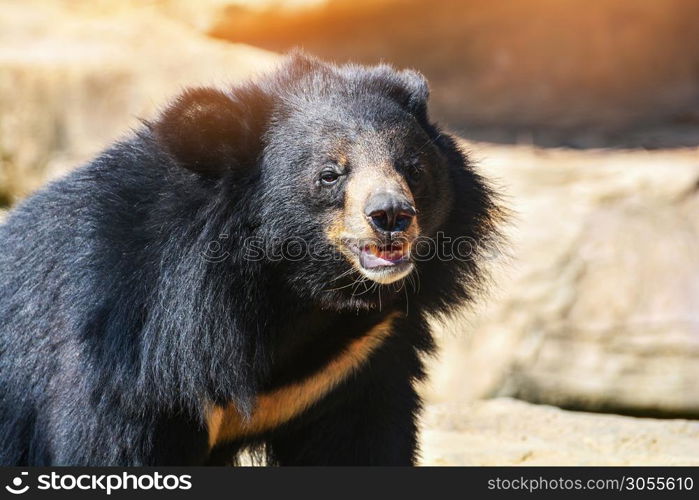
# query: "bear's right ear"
{"points": [[210, 132]]}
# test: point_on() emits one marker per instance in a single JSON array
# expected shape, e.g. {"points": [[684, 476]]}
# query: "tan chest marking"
{"points": [[281, 405]]}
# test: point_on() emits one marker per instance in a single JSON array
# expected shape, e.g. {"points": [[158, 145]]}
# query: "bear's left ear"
{"points": [[210, 132], [417, 91], [408, 88]]}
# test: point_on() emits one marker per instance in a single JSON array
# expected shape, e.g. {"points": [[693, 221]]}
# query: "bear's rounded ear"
{"points": [[210, 132], [408, 88], [417, 91]]}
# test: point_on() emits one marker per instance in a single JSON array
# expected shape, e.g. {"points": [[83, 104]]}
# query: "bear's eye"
{"points": [[328, 177], [413, 172]]}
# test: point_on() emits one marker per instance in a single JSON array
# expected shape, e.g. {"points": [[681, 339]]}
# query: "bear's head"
{"points": [[352, 194]]}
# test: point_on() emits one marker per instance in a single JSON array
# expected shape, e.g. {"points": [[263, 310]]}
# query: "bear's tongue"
{"points": [[386, 255]]}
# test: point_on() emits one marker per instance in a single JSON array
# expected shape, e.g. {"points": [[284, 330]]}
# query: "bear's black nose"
{"points": [[389, 212]]}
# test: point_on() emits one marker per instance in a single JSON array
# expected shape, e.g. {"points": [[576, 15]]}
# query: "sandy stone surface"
{"points": [[509, 432]]}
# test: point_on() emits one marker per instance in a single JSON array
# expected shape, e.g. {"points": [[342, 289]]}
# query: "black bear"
{"points": [[241, 272]]}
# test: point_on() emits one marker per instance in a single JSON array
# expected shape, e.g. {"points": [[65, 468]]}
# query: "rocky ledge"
{"points": [[505, 431]]}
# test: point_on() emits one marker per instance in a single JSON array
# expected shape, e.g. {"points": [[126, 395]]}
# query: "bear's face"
{"points": [[369, 179], [340, 166]]}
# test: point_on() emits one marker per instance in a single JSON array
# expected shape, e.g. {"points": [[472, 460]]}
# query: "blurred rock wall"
{"points": [[595, 301], [554, 71], [75, 76]]}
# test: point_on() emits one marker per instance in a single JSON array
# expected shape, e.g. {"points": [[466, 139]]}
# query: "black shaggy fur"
{"points": [[117, 329]]}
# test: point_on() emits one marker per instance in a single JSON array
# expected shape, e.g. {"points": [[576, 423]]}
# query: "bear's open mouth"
{"points": [[383, 263], [373, 256]]}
